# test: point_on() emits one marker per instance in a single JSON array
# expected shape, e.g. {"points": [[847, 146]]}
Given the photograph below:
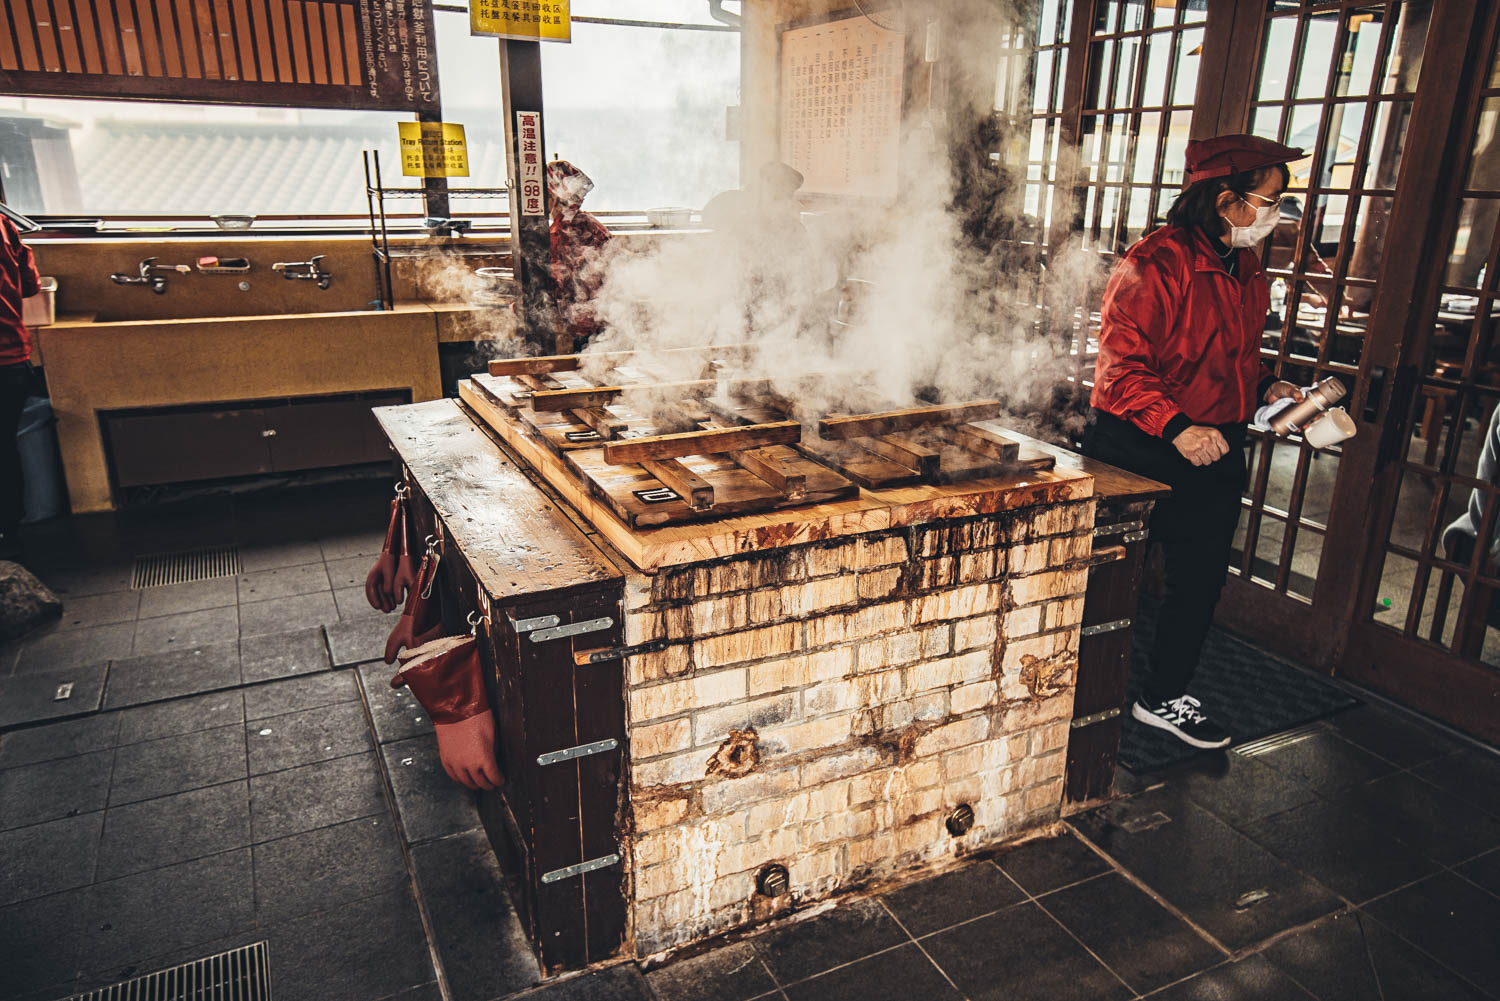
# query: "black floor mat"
{"points": [[1244, 689]]}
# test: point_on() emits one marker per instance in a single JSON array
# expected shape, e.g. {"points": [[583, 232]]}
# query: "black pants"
{"points": [[15, 386], [1195, 527]]}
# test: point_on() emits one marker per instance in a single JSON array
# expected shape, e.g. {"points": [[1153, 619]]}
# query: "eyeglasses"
{"points": [[1278, 200]]}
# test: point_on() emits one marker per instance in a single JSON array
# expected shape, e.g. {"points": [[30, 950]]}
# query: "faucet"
{"points": [[308, 270], [158, 283]]}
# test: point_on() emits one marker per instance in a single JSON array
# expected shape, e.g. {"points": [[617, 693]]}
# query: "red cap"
{"points": [[1225, 155]]}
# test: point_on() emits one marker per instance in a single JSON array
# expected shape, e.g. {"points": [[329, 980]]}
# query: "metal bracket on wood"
{"points": [[1105, 627], [602, 862], [1093, 718], [572, 629], [538, 622], [1119, 526], [581, 751], [1136, 536]]}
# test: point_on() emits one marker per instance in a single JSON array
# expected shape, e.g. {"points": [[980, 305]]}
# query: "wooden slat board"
{"points": [[513, 537], [867, 511], [736, 490]]}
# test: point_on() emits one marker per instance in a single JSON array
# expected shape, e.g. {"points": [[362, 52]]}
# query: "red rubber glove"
{"points": [[448, 680], [380, 581], [422, 620]]}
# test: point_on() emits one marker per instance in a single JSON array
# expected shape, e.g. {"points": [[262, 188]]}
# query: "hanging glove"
{"points": [[380, 581], [407, 564], [422, 619], [448, 680]]}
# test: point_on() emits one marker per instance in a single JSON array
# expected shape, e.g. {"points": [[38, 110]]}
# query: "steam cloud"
{"points": [[945, 300]]}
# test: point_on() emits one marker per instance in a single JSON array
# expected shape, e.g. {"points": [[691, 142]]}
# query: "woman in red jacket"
{"points": [[1178, 378]]}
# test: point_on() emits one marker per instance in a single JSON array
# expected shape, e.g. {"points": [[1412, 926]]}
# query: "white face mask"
{"points": [[1266, 219]]}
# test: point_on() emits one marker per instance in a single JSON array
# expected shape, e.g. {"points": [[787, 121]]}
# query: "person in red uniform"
{"points": [[578, 240], [18, 280], [1178, 378]]}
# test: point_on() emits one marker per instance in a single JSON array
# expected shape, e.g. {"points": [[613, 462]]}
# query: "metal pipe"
{"points": [[718, 13]]}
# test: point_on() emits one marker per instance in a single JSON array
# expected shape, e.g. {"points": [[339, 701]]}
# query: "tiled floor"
{"points": [[239, 769]]}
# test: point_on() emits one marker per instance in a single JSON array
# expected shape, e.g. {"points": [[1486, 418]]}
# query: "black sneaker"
{"points": [[1180, 717]]}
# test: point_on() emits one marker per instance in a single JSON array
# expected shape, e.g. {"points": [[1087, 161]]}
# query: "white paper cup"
{"points": [[1333, 427]]}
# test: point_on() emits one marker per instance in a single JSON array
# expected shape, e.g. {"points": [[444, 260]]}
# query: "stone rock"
{"points": [[25, 602]]}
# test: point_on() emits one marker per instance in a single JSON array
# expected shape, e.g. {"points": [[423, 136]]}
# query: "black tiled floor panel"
{"points": [[269, 784]]}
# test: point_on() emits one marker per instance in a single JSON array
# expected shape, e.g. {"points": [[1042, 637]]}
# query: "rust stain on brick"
{"points": [[1044, 678], [738, 755]]}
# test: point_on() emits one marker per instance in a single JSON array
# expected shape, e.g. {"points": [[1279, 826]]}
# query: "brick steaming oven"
{"points": [[741, 661]]}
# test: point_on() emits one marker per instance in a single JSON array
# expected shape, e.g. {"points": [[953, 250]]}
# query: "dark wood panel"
{"points": [[297, 53], [183, 447], [332, 433]]}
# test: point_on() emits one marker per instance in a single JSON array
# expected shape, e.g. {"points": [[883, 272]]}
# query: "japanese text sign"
{"points": [[527, 20], [433, 149], [529, 166]]}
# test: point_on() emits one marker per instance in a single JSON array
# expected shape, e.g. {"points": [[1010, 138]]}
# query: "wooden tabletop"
{"points": [[1110, 482], [515, 539]]}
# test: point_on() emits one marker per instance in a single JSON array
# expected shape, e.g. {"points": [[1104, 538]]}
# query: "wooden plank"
{"points": [[843, 426], [986, 442], [773, 470], [600, 396], [512, 536], [536, 366], [682, 481], [607, 424], [712, 441], [919, 458]]}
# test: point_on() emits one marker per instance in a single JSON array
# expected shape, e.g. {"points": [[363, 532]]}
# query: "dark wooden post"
{"points": [[531, 247]]}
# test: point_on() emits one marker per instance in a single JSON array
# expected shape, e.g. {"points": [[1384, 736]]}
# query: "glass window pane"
{"points": [[1484, 165], [1472, 239], [1129, 56], [1137, 215], [1361, 44], [1386, 143], [1194, 11], [1047, 26], [1134, 15], [1318, 54], [1307, 553], [1158, 61], [1276, 59], [1405, 62], [1345, 121], [1397, 579], [1119, 144], [1143, 171], [1371, 230], [1189, 61], [1266, 122], [63, 156], [1104, 56]]}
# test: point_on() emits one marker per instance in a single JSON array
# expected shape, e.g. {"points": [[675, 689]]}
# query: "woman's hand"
{"points": [[1201, 445], [1281, 390]]}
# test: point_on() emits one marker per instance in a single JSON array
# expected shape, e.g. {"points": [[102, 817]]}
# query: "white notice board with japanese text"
{"points": [[841, 106]]}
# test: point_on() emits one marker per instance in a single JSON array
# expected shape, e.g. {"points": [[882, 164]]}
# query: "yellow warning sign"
{"points": [[531, 20], [433, 149]]}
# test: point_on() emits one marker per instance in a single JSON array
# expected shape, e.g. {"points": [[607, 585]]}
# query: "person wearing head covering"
{"points": [[1178, 377], [578, 241]]}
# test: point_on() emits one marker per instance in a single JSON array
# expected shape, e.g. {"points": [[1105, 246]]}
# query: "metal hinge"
{"points": [[1119, 526], [1136, 536], [602, 862], [581, 751], [572, 629], [1098, 717], [537, 622], [1105, 627]]}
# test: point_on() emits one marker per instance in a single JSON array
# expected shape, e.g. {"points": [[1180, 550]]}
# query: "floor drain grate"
{"points": [[242, 974], [183, 568]]}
